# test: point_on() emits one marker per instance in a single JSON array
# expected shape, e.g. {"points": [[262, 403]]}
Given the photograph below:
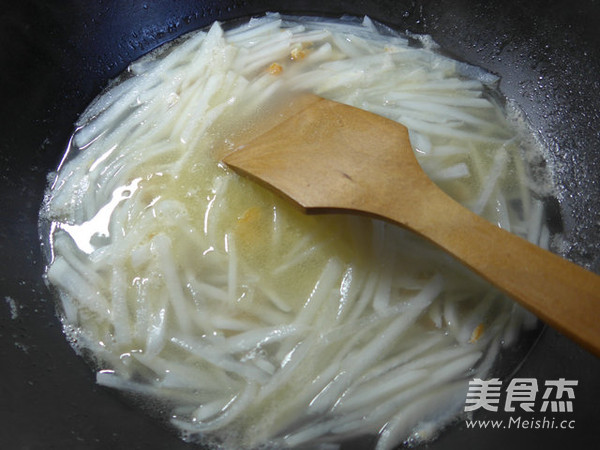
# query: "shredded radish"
{"points": [[252, 324]]}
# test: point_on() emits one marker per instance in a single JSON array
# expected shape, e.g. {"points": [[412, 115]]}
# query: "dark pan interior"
{"points": [[55, 57]]}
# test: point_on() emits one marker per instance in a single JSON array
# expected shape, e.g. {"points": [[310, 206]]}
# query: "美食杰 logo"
{"points": [[523, 395]]}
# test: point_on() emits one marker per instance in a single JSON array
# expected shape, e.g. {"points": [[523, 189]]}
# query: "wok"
{"points": [[56, 56]]}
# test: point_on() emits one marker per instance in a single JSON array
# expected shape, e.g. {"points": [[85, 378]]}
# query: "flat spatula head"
{"points": [[330, 156]]}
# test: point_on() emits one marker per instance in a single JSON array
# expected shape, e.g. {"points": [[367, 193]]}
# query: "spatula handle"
{"points": [[561, 293]]}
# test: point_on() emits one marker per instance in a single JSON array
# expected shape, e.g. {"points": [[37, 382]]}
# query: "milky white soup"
{"points": [[250, 323]]}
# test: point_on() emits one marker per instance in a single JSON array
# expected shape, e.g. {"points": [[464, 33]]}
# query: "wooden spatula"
{"points": [[330, 157]]}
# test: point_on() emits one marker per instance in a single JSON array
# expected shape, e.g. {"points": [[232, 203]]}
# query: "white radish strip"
{"points": [[198, 135], [424, 117], [444, 131], [355, 364], [309, 81], [323, 53], [212, 41], [349, 291], [503, 220], [408, 280], [156, 329], [293, 28], [469, 71], [287, 414], [289, 363], [451, 100], [255, 88], [193, 106], [374, 349], [264, 365], [147, 132], [441, 357], [524, 186], [371, 27], [274, 298], [219, 189], [262, 97], [306, 435], [382, 388], [420, 143], [231, 411], [494, 329], [219, 359], [119, 135], [232, 268], [442, 375], [208, 291], [453, 87], [222, 322], [344, 44], [276, 231], [435, 314], [535, 221], [259, 337], [414, 349], [320, 293], [346, 333], [544, 240], [310, 37], [381, 296], [109, 117], [347, 23], [176, 55], [264, 314], [104, 102], [363, 41], [448, 150], [530, 320], [489, 358], [248, 34], [62, 275], [112, 380], [198, 118], [207, 410], [188, 376], [70, 309], [369, 393], [141, 311], [119, 312], [107, 181], [460, 170], [361, 62], [365, 297], [234, 87], [496, 170], [402, 423], [161, 247], [65, 246], [513, 327], [263, 47], [296, 257], [167, 93], [263, 59], [476, 317], [448, 112], [104, 354], [330, 82]]}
